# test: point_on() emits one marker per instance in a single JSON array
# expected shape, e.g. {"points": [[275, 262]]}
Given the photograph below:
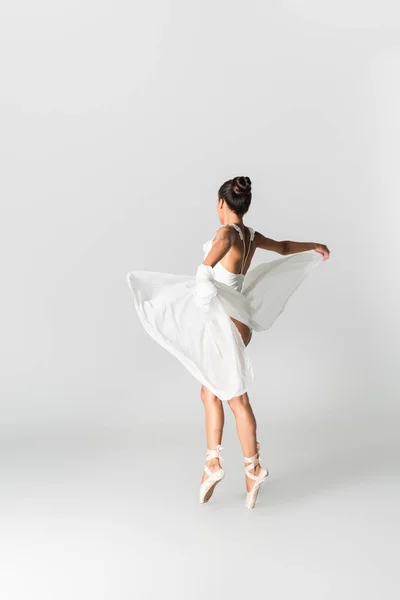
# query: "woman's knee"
{"points": [[239, 404], [207, 396]]}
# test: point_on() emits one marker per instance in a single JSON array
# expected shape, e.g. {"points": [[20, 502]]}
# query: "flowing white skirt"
{"points": [[209, 344]]}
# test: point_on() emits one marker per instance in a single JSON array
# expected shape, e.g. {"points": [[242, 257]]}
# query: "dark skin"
{"points": [[228, 249]]}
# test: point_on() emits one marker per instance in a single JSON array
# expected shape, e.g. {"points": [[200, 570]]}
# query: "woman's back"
{"points": [[232, 268], [239, 256]]}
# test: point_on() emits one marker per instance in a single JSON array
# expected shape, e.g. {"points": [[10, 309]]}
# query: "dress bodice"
{"points": [[222, 274]]}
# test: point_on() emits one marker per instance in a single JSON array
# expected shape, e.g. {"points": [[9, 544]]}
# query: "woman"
{"points": [[206, 321]]}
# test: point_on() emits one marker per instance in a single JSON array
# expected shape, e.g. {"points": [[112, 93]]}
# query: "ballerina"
{"points": [[207, 321]]}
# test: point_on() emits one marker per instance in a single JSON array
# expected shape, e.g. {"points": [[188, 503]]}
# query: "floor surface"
{"points": [[112, 515]]}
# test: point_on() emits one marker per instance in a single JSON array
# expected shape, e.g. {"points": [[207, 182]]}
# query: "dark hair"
{"points": [[237, 194]]}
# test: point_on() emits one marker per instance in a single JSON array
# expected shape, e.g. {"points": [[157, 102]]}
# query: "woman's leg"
{"points": [[246, 424], [214, 414]]}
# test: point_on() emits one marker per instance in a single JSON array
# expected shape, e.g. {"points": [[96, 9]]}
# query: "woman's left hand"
{"points": [[322, 249]]}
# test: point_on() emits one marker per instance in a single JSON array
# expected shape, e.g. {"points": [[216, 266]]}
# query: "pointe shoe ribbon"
{"points": [[208, 485], [213, 454], [250, 463]]}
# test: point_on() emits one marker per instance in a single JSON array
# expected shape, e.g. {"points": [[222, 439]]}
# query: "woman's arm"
{"points": [[205, 288], [223, 242], [285, 247], [266, 243], [294, 247]]}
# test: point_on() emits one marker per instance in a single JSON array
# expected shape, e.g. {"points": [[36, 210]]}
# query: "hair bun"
{"points": [[241, 186]]}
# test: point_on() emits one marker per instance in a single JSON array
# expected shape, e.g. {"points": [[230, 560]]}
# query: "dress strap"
{"points": [[240, 232]]}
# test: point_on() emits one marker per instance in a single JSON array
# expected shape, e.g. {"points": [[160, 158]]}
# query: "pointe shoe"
{"points": [[252, 462], [214, 477]]}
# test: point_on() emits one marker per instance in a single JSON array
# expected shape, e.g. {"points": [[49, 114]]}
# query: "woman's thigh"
{"points": [[244, 331]]}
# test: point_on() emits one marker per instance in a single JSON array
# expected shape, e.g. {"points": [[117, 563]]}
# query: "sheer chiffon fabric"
{"points": [[206, 341]]}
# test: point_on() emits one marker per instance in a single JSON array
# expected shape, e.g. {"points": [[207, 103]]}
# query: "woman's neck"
{"points": [[233, 219]]}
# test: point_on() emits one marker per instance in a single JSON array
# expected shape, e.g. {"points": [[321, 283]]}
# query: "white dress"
{"points": [[208, 343]]}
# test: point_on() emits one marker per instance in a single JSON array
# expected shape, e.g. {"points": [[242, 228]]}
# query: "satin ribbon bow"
{"points": [[215, 453]]}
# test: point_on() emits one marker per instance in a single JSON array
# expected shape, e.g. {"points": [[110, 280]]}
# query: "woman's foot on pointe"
{"points": [[251, 482], [256, 474], [213, 473], [214, 465]]}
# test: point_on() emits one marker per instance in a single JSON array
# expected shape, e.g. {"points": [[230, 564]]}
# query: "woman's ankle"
{"points": [[255, 471], [213, 464]]}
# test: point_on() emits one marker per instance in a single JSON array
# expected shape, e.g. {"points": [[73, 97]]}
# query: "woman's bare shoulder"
{"points": [[223, 233]]}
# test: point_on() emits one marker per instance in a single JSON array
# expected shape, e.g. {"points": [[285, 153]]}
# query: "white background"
{"points": [[119, 122]]}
